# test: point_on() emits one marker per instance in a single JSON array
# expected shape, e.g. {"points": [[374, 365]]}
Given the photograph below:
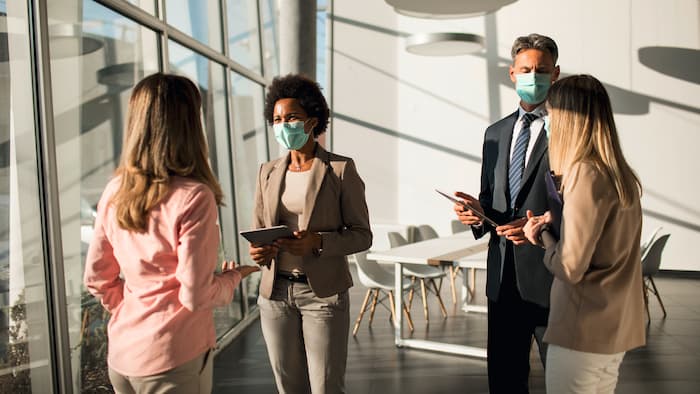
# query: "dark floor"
{"points": [[670, 363]]}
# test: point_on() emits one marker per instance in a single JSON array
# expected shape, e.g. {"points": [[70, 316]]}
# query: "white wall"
{"points": [[415, 123]]}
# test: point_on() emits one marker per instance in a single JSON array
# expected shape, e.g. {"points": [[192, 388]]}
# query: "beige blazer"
{"points": [[335, 207], [596, 303]]}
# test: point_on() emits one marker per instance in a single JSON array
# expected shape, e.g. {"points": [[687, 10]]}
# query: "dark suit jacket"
{"points": [[335, 206], [533, 279]]}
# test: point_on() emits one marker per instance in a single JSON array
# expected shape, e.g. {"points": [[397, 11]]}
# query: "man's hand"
{"points": [[465, 215], [513, 231]]}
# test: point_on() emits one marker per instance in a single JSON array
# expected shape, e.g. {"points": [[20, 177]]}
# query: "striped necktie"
{"points": [[517, 161]]}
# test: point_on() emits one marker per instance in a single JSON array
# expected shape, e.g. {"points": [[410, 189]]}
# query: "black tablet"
{"points": [[267, 235]]}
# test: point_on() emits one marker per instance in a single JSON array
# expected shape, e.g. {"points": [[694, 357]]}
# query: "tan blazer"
{"points": [[596, 303], [335, 207]]}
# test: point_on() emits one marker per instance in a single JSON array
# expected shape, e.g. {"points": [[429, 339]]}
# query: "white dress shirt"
{"points": [[536, 127]]}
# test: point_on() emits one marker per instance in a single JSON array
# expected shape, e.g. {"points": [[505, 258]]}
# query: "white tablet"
{"points": [[267, 235]]}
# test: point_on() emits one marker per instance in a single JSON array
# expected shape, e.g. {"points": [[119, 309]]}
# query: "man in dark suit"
{"points": [[512, 182]]}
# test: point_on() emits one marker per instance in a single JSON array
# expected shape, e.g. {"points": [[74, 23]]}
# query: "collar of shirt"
{"points": [[536, 128]]}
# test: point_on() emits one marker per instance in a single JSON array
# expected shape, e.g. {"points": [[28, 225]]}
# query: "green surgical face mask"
{"points": [[532, 87], [290, 135]]}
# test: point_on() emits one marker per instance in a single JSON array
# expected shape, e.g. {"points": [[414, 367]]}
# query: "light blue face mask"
{"points": [[532, 87], [291, 135], [546, 125]]}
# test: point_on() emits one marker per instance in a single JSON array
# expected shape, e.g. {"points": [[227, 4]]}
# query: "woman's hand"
{"points": [[244, 270], [263, 254], [465, 215], [533, 228], [302, 244]]}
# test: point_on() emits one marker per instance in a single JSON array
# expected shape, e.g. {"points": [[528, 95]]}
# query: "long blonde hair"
{"points": [[163, 138], [583, 130]]}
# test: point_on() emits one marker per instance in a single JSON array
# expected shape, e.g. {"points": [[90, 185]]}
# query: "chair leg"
{"points": [[472, 288], [425, 299], [410, 292], [645, 290], [656, 293], [391, 307], [363, 308], [437, 294], [408, 315], [374, 306], [452, 285]]}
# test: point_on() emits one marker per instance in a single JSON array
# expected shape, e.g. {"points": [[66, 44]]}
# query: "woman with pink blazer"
{"points": [[597, 307], [152, 258]]}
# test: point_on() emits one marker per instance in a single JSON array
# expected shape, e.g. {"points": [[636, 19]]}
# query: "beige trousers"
{"points": [[571, 371], [192, 377], [306, 338]]}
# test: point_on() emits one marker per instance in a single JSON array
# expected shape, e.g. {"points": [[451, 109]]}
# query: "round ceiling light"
{"points": [[447, 9], [444, 44]]}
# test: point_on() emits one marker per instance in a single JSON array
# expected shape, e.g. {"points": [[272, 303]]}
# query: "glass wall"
{"points": [[97, 52], [25, 351]]}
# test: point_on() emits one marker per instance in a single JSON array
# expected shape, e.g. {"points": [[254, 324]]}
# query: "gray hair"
{"points": [[535, 41]]}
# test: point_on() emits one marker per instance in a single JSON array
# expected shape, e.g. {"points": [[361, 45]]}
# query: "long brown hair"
{"points": [[163, 138], [583, 130]]}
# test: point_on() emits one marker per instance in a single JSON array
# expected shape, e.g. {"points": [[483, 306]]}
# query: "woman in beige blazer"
{"points": [[597, 309], [304, 306]]}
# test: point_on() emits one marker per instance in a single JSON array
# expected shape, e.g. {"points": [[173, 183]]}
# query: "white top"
{"points": [[536, 127], [291, 211]]}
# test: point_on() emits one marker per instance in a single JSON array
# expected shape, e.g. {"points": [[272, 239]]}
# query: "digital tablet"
{"points": [[476, 213], [267, 235]]}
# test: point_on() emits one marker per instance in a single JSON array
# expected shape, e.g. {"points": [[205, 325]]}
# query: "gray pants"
{"points": [[306, 338], [192, 377]]}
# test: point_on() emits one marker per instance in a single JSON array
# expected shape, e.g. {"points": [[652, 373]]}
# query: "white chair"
{"points": [[651, 260], [458, 227], [426, 232], [380, 283], [422, 273], [649, 240]]}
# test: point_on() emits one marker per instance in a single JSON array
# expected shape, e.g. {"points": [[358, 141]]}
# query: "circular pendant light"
{"points": [[444, 44], [446, 9]]}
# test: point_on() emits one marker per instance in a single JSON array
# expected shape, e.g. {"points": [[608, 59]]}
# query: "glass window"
{"points": [[210, 77], [25, 356], [270, 18], [146, 5], [199, 19], [321, 43], [250, 150], [243, 33], [97, 56]]}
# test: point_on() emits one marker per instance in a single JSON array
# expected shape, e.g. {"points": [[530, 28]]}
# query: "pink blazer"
{"points": [[162, 302]]}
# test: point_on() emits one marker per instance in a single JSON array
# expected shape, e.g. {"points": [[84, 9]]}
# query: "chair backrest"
{"points": [[649, 240], [370, 273], [458, 227], [652, 258], [425, 231], [396, 239]]}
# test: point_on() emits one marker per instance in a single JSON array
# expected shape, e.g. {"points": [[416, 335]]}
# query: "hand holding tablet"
{"points": [[466, 205]]}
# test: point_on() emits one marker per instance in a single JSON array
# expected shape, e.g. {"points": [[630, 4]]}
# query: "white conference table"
{"points": [[455, 248]]}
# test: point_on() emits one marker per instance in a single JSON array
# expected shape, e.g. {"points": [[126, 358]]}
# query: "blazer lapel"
{"points": [[503, 165], [273, 188], [318, 172]]}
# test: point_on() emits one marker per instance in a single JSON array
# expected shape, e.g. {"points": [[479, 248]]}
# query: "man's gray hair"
{"points": [[535, 41]]}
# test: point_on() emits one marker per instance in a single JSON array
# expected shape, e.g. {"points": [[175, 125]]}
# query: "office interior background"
{"points": [[412, 123]]}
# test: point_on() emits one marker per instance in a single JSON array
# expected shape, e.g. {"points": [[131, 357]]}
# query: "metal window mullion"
{"points": [[329, 66], [50, 203]]}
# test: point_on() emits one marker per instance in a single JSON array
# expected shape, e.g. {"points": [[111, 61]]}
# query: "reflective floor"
{"points": [[670, 363]]}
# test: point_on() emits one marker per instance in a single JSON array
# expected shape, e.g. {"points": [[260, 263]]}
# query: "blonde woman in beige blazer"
{"points": [[597, 309], [304, 306]]}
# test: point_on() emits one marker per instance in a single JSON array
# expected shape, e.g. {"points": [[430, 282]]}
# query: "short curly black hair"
{"points": [[304, 90]]}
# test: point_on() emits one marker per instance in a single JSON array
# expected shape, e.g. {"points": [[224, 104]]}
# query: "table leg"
{"points": [[398, 290]]}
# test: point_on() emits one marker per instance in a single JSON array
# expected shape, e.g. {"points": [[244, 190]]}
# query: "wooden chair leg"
{"points": [[452, 285], [410, 292], [645, 290], [408, 315], [362, 312], [374, 306], [437, 294], [472, 286], [656, 293], [391, 307], [425, 299]]}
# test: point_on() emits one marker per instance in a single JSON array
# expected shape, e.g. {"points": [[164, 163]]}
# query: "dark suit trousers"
{"points": [[512, 324]]}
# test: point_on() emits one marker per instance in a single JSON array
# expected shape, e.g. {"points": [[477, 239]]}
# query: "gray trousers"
{"points": [[306, 338], [192, 377]]}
